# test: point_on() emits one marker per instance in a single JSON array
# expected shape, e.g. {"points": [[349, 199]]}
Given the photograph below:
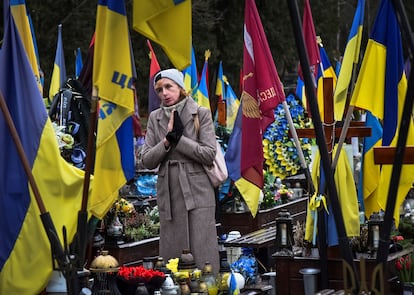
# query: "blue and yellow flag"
{"points": [[59, 67], [201, 95], [381, 88], [112, 77], [22, 21], [370, 172], [325, 71], [233, 288], [350, 59], [232, 105], [168, 23], [191, 75], [25, 254]]}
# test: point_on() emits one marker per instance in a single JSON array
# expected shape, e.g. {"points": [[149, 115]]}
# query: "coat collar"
{"points": [[187, 114]]}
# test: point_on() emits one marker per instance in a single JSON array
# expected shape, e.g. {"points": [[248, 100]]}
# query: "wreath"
{"points": [[279, 150]]}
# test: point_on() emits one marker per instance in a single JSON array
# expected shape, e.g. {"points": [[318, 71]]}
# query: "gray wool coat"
{"points": [[185, 196]]}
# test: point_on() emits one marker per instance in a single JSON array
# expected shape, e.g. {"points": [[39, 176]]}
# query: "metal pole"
{"points": [[299, 148]]}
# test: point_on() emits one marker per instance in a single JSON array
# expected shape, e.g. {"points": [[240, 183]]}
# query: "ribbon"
{"points": [[314, 204]]}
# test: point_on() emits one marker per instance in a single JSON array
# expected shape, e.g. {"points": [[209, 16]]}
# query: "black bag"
{"points": [[70, 108]]}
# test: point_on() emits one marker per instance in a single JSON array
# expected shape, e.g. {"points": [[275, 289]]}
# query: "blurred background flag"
{"points": [[244, 155], [78, 62], [23, 24], [153, 99], [168, 23], [220, 114], [381, 88], [191, 75], [325, 71], [22, 272], [311, 43], [59, 67], [232, 105], [202, 94], [113, 78], [349, 61]]}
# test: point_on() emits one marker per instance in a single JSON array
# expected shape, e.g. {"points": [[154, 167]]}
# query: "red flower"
{"points": [[139, 273], [398, 263]]}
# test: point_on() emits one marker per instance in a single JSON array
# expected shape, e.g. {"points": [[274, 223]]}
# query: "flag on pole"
{"points": [[153, 98], [232, 105], [370, 173], [22, 21], [261, 94], [191, 75], [202, 95], [113, 78], [59, 67], [220, 114], [25, 253], [381, 88], [325, 71], [78, 62], [168, 23], [311, 43], [350, 59]]}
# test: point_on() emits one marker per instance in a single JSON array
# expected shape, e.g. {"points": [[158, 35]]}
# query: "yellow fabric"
{"points": [[62, 200], [168, 24], [250, 194], [347, 195], [112, 74], [372, 69], [22, 23]]}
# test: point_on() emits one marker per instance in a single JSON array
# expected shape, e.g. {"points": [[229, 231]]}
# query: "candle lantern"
{"points": [[374, 228], [284, 232]]}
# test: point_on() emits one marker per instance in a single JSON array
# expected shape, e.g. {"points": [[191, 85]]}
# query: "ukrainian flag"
{"points": [[232, 106], [327, 72], [381, 88], [191, 75], [112, 76], [25, 254], [59, 67], [201, 95], [351, 58], [21, 19]]}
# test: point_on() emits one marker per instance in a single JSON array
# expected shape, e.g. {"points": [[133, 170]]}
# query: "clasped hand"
{"points": [[175, 128]]}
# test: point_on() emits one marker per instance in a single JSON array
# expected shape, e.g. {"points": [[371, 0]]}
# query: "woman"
{"points": [[185, 196]]}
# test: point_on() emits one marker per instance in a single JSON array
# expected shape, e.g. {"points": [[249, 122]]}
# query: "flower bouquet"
{"points": [[130, 276]]}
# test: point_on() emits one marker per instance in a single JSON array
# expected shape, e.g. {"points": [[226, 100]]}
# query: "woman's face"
{"points": [[168, 91]]}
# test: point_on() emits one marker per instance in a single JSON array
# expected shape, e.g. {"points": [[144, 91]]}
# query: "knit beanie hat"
{"points": [[172, 74]]}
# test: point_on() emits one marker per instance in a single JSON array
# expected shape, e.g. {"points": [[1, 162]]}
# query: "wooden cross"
{"points": [[331, 130], [332, 133]]}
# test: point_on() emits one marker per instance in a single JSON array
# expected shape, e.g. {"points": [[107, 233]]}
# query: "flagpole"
{"points": [[58, 252], [82, 229], [299, 149], [320, 139], [345, 126]]}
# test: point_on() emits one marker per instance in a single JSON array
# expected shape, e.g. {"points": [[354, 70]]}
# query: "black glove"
{"points": [[175, 134]]}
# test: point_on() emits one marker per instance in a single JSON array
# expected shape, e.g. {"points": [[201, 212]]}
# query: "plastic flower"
{"points": [[279, 150], [139, 273]]}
